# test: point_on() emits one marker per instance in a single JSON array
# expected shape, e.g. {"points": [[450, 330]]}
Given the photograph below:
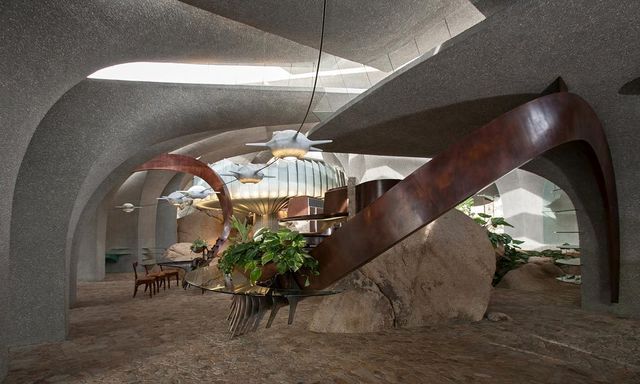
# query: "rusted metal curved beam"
{"points": [[465, 168], [186, 164]]}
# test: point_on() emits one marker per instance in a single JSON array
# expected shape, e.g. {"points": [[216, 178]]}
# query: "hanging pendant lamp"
{"points": [[290, 144], [177, 199], [247, 174], [198, 192], [128, 207]]}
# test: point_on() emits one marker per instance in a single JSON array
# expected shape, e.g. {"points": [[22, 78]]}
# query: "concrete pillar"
{"points": [[122, 228], [166, 223], [153, 187], [91, 247]]}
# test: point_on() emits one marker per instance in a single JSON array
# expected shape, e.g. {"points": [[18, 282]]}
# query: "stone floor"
{"points": [[180, 337]]}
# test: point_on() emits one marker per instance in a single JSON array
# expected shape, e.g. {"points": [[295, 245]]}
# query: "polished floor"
{"points": [[180, 337]]}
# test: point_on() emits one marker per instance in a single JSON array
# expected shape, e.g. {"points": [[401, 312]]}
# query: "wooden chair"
{"points": [[148, 281], [160, 276], [169, 273]]}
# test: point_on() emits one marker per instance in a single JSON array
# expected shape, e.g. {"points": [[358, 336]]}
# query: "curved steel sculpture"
{"points": [[186, 164], [468, 166]]}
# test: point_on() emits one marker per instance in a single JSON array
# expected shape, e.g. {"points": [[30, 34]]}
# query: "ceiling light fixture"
{"points": [[198, 192], [128, 207], [177, 199], [290, 144], [247, 174]]}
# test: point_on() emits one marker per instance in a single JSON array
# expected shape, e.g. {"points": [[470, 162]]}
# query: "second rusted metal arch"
{"points": [[186, 164], [472, 163]]}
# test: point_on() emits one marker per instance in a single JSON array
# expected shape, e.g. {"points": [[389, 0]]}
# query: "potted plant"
{"points": [[267, 253], [198, 245]]}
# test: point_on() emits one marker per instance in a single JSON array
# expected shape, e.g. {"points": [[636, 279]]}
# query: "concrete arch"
{"points": [[581, 187], [128, 121], [166, 228], [523, 206], [49, 48]]}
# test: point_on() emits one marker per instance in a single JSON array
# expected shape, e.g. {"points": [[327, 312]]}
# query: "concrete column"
{"points": [[91, 247], [4, 303], [166, 223], [153, 187], [122, 228]]}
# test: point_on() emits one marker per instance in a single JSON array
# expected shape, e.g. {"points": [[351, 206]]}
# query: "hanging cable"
{"points": [[315, 81], [268, 164]]}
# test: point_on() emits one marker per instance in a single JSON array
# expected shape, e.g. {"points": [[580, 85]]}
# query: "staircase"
{"points": [[555, 120]]}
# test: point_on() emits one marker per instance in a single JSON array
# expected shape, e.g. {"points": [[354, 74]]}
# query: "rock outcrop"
{"points": [[179, 252], [198, 225], [441, 272], [532, 277]]}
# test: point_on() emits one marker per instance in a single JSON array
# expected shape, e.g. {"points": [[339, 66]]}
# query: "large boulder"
{"points": [[441, 272], [368, 309], [533, 277], [180, 252], [198, 225]]}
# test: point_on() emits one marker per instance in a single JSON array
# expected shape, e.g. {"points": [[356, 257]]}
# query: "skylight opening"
{"points": [[217, 74]]}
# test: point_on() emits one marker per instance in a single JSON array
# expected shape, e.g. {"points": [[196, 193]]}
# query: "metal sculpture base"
{"points": [[248, 311], [250, 303]]}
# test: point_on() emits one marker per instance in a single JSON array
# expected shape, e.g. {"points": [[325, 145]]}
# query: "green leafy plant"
{"points": [[512, 255], [284, 248], [465, 206], [198, 244], [242, 249], [553, 253]]}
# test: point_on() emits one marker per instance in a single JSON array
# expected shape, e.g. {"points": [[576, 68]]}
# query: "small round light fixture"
{"points": [[248, 174], [128, 207], [290, 144]]}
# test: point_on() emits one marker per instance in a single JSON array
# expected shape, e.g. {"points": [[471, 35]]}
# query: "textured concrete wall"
{"points": [[122, 227], [566, 169], [46, 52], [154, 184], [91, 256], [129, 121], [166, 225], [48, 47]]}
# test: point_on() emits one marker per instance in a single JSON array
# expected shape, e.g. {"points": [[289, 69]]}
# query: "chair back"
{"points": [[149, 268], [135, 269]]}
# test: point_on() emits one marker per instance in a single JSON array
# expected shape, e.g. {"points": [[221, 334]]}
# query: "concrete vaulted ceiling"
{"points": [[127, 124], [364, 31], [66, 141], [48, 48], [491, 68]]}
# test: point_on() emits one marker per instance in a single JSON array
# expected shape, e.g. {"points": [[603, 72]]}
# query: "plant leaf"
{"points": [[255, 275]]}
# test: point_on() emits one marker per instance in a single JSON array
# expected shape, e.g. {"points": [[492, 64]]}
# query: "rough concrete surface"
{"points": [[180, 337]]}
